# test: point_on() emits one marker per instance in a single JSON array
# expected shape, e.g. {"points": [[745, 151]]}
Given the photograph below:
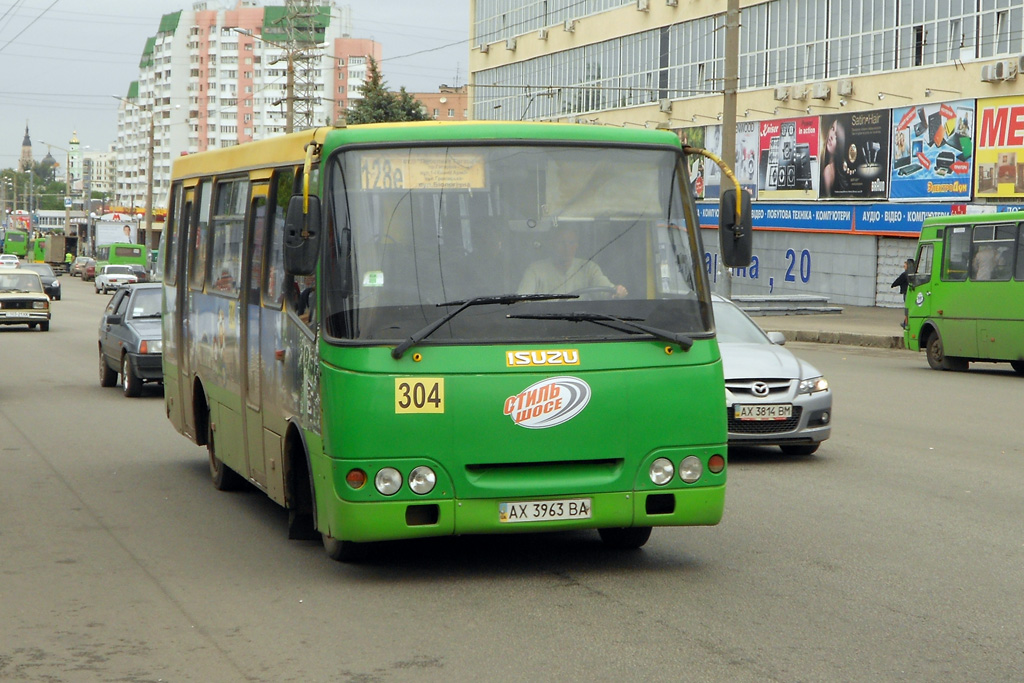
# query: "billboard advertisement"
{"points": [[114, 227], [854, 155], [788, 159], [932, 151], [1000, 154]]}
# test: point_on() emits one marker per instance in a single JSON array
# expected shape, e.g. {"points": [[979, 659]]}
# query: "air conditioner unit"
{"points": [[570, 25], [844, 88], [1009, 69], [672, 3], [798, 92], [484, 47], [821, 91], [988, 73], [1020, 64], [542, 34], [999, 71], [510, 44], [782, 93], [665, 105], [643, 5]]}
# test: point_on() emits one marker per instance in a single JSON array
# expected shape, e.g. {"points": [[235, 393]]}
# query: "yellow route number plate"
{"points": [[419, 394]]}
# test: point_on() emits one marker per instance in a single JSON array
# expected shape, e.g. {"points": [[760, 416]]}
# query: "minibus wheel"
{"points": [[344, 551]]}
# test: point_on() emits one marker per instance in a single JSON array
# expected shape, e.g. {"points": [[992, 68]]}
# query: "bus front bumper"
{"points": [[364, 522]]}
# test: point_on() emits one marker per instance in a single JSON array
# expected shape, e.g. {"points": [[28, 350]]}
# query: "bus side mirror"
{"points": [[301, 236], [735, 232]]}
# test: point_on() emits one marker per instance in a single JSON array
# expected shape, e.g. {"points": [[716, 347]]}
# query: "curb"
{"points": [[881, 341]]}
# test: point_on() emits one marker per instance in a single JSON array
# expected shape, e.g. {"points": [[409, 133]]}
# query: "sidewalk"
{"points": [[855, 326]]}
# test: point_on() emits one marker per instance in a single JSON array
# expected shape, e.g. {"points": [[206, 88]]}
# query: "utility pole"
{"points": [[732, 58], [149, 174]]}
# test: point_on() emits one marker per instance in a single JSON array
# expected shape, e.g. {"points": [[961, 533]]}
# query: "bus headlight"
{"points": [[690, 469], [422, 480], [661, 471], [388, 481]]}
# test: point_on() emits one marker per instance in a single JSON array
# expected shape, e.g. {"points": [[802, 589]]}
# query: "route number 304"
{"points": [[419, 395]]}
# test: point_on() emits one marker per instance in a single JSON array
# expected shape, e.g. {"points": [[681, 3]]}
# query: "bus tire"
{"points": [[108, 376], [131, 384], [937, 358], [344, 551], [629, 538], [224, 478]]}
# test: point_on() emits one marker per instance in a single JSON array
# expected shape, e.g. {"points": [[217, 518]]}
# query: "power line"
{"points": [[18, 35]]}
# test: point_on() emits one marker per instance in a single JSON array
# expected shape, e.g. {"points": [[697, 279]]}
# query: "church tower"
{"points": [[26, 152]]}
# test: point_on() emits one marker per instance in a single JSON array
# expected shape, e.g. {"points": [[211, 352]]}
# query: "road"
{"points": [[895, 553]]}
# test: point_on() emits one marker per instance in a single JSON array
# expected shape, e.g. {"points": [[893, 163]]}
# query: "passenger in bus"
{"points": [[563, 273], [984, 262]]}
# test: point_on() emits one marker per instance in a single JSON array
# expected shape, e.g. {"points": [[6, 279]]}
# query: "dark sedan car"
{"points": [[130, 338], [51, 285]]}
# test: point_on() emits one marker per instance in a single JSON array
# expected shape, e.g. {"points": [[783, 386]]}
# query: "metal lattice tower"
{"points": [[305, 54]]}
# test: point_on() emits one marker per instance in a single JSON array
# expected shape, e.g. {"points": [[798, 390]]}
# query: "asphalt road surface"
{"points": [[895, 553]]}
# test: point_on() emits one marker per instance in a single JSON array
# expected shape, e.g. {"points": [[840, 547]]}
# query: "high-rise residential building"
{"points": [[214, 78]]}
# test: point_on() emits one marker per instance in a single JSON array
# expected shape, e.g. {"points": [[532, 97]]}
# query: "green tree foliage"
{"points": [[380, 106]]}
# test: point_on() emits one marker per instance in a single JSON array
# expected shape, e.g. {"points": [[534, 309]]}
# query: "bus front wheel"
{"points": [[344, 551], [937, 358], [629, 538], [224, 478]]}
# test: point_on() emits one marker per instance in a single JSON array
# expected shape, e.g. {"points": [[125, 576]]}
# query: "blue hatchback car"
{"points": [[130, 340]]}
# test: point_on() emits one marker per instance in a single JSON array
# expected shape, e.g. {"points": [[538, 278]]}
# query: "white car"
{"points": [[9, 261], [111, 277]]}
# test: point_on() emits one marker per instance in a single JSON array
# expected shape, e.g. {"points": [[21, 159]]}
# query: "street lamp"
{"points": [[149, 161]]}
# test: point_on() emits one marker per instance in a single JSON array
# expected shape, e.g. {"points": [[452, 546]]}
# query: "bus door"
{"points": [[252, 359], [182, 331], [919, 297]]}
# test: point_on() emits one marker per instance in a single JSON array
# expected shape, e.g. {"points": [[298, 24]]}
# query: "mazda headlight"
{"points": [[813, 385]]}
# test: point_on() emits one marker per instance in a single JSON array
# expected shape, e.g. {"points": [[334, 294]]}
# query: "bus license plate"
{"points": [[768, 411], [543, 510]]}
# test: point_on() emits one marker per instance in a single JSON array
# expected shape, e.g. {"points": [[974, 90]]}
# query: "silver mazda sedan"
{"points": [[772, 397]]}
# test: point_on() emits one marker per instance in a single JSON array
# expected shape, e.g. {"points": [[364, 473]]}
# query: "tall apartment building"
{"points": [[213, 78], [854, 119]]}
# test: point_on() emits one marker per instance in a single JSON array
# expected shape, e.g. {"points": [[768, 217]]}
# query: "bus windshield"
{"points": [[414, 232]]}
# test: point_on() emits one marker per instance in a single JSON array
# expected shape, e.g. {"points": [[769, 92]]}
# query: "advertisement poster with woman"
{"points": [[788, 164], [932, 151], [854, 155], [694, 137]]}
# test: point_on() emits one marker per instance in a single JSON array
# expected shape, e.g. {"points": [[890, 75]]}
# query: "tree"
{"points": [[380, 106]]}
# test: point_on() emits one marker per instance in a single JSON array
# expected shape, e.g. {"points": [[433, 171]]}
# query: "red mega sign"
{"points": [[1002, 127]]}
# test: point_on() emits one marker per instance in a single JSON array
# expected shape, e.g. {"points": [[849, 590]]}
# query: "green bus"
{"points": [[965, 300], [38, 250], [122, 254], [427, 329], [16, 242]]}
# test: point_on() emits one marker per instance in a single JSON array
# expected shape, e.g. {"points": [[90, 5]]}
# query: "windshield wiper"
{"points": [[463, 304], [684, 341]]}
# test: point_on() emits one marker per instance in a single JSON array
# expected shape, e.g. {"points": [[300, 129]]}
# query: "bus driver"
{"points": [[563, 273]]}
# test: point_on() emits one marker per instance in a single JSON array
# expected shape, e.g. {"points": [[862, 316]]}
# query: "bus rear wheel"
{"points": [[629, 538]]}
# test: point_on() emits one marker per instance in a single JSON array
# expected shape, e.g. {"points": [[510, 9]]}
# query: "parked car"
{"points": [[22, 299], [129, 338], [110, 277], [89, 274], [77, 268], [9, 261], [51, 285], [772, 397]]}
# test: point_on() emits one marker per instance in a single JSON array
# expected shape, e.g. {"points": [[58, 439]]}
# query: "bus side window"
{"points": [[957, 254], [200, 235]]}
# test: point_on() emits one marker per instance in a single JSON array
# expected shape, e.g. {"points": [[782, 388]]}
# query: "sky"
{"points": [[63, 62]]}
